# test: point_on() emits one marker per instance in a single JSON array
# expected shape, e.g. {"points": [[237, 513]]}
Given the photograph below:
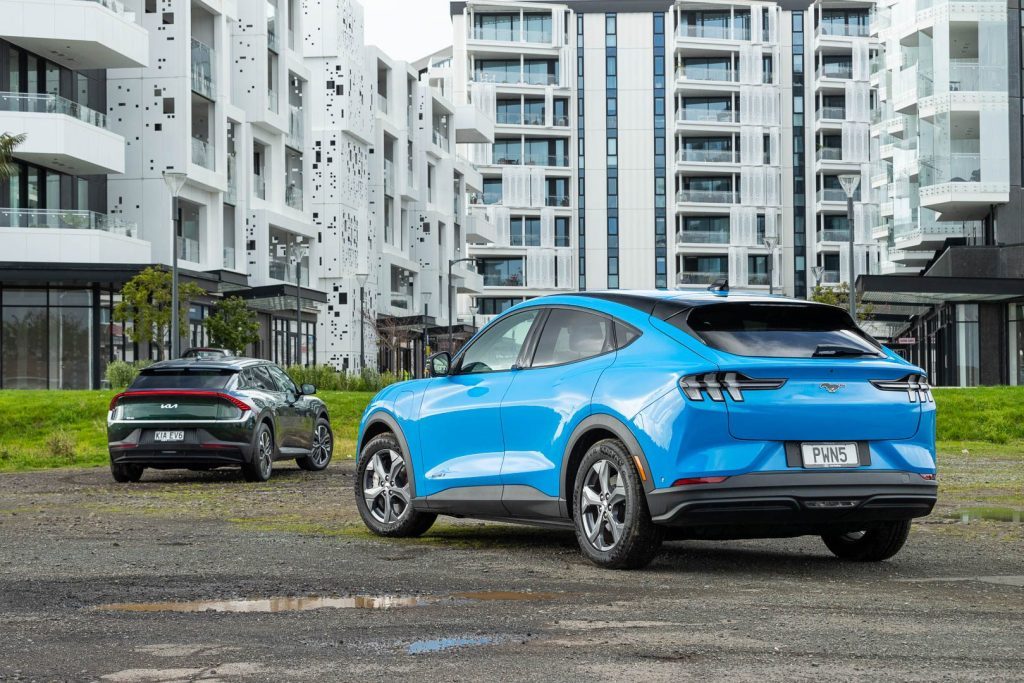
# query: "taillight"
{"points": [[113, 401], [717, 384], [915, 385]]}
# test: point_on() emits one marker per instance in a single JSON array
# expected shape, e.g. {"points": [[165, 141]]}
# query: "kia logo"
{"points": [[832, 388], [172, 406]]}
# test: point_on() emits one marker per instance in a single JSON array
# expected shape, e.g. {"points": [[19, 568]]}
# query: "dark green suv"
{"points": [[200, 414]]}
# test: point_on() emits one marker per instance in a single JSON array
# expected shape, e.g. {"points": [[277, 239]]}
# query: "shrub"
{"points": [[120, 374], [326, 378], [60, 444]]}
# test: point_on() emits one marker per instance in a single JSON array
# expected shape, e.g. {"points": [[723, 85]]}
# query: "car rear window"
{"points": [[777, 330], [185, 378]]}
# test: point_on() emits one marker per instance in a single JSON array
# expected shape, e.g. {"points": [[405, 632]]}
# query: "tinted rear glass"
{"points": [[183, 379], [783, 330]]}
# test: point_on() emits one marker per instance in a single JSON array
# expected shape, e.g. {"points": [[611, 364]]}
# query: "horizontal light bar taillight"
{"points": [[157, 393], [717, 384], [915, 385]]}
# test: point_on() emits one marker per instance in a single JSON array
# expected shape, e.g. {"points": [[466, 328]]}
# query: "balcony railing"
{"points": [[832, 113], [389, 178], [45, 103], [513, 280], [259, 186], [516, 118], [229, 258], [231, 196], [440, 139], [707, 196], [836, 194], [702, 237], [295, 126], [968, 75], [844, 30], [707, 115], [401, 301], [553, 160], [557, 200], [757, 279], [188, 250], [511, 35], [272, 38], [831, 235], [204, 60], [830, 277], [293, 197], [65, 219], [841, 70], [272, 101], [701, 277], [382, 103], [713, 32], [117, 7], [704, 72], [202, 153], [829, 154], [516, 78], [706, 156], [955, 168]]}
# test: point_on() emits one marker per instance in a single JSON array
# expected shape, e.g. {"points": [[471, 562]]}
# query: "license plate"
{"points": [[830, 454], [169, 436]]}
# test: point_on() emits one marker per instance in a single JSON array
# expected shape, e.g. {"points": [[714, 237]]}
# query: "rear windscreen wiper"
{"points": [[831, 351]]}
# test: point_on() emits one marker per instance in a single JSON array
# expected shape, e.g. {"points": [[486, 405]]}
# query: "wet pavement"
{"points": [[189, 577]]}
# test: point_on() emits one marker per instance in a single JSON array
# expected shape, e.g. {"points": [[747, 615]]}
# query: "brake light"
{"points": [[113, 401], [915, 385], [698, 480], [733, 383], [237, 402]]}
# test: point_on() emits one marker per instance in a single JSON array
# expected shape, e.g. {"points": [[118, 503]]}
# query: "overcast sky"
{"points": [[408, 29]]}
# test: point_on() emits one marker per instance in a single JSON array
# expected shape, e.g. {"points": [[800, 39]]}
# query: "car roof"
{"points": [[226, 363], [664, 303]]}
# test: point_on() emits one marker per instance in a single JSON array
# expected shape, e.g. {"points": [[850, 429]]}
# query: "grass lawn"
{"points": [[45, 429]]}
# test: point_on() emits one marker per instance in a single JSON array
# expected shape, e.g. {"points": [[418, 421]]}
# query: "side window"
{"points": [[624, 335], [262, 379], [282, 380], [571, 335], [498, 348]]}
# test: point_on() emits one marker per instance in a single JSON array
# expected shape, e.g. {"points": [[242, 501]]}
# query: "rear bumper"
{"points": [[202, 448], [794, 503]]}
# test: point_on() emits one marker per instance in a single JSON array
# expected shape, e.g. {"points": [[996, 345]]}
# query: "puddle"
{"points": [[997, 514], [424, 646], [292, 604]]}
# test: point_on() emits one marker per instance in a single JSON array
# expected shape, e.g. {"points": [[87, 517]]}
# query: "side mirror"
{"points": [[307, 389], [440, 364]]}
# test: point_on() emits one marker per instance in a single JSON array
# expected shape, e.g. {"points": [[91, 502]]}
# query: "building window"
{"points": [[503, 272], [581, 228], [612, 148]]}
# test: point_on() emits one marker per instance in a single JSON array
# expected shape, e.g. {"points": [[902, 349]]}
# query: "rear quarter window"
{"points": [[183, 379], [777, 330]]}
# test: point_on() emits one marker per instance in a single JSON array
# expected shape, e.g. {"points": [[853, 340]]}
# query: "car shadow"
{"points": [[153, 476]]}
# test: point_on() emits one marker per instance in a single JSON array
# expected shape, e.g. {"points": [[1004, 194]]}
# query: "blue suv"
{"points": [[637, 416]]}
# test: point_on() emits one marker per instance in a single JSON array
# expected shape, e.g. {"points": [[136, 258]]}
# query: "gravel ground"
{"points": [[495, 601]]}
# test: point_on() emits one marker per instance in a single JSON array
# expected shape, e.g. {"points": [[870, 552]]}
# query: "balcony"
{"points": [[499, 280], [382, 104], [712, 32], [830, 277], [478, 229], [69, 236], [968, 75], [841, 70], [61, 134], [701, 277], [707, 197], [65, 219], [228, 260], [703, 72], [495, 34], [188, 250], [962, 186], [389, 178], [203, 154], [829, 154], [836, 194], [293, 197], [296, 136], [204, 61], [473, 125], [558, 201], [838, 30], [702, 237], [231, 196], [757, 279], [830, 114], [259, 186], [400, 300], [272, 43], [698, 115], [829, 235], [707, 156], [79, 35], [440, 140], [527, 78]]}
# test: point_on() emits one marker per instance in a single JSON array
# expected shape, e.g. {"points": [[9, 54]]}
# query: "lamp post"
{"points": [[175, 181], [361, 278], [426, 330], [771, 243], [451, 263], [474, 308], [850, 181], [299, 250]]}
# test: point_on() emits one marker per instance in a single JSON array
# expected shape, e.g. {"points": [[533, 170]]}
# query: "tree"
{"points": [[840, 296], [233, 325], [146, 301], [7, 144]]}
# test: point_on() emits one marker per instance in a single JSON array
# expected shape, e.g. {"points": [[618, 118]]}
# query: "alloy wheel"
{"points": [[386, 486], [266, 454], [322, 445], [603, 505]]}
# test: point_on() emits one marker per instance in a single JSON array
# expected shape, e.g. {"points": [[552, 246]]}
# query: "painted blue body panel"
{"points": [[513, 427]]}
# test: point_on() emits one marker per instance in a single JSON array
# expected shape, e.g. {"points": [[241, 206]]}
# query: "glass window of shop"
{"points": [[46, 338]]}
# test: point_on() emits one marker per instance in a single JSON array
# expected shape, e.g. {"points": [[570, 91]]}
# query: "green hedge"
{"points": [[326, 378]]}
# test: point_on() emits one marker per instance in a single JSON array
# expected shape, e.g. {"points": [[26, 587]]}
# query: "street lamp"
{"points": [[361, 278], [299, 250], [452, 262], [175, 181], [850, 181], [474, 308], [426, 330], [771, 243], [817, 272]]}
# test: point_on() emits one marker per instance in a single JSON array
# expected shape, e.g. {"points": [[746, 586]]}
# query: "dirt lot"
{"points": [[469, 601]]}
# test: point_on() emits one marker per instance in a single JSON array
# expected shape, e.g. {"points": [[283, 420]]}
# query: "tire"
{"points": [[260, 467], [873, 545], [323, 448], [383, 491], [610, 514], [124, 474]]}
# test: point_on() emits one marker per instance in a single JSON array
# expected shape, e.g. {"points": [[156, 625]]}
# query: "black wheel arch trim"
{"points": [[391, 423], [621, 432]]}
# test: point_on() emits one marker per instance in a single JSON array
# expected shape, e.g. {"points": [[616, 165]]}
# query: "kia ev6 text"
{"points": [[637, 416]]}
